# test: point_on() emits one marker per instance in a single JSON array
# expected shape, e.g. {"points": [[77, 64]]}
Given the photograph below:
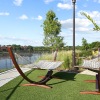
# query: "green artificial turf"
{"points": [[68, 87]]}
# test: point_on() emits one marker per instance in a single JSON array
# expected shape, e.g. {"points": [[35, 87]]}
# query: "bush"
{"points": [[85, 53], [67, 62]]}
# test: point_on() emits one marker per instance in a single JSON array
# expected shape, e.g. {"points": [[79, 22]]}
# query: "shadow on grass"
{"points": [[14, 88], [64, 76]]}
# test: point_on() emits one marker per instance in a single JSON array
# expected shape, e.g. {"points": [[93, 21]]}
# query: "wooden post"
{"points": [[99, 80], [96, 82], [55, 54]]}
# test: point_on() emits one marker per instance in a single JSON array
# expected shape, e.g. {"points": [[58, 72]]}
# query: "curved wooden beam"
{"points": [[17, 66]]}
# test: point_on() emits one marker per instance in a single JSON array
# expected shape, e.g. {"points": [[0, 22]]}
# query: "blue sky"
{"points": [[21, 20]]}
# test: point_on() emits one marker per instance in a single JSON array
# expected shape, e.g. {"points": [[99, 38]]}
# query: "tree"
{"points": [[52, 28], [95, 45], [96, 27], [85, 45], [30, 48]]}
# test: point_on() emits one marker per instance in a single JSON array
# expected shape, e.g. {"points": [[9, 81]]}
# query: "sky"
{"points": [[21, 20]]}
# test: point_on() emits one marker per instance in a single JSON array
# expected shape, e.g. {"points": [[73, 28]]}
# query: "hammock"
{"points": [[93, 63], [42, 65], [21, 59]]}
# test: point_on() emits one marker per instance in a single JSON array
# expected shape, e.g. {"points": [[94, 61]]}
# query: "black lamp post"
{"points": [[73, 51]]}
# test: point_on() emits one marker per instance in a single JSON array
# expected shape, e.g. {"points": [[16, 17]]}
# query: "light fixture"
{"points": [[74, 1]]}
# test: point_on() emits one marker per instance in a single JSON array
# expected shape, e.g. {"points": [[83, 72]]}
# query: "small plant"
{"points": [[67, 62]]}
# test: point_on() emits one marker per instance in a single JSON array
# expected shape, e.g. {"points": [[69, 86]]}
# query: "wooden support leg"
{"points": [[90, 92], [90, 81], [42, 82], [47, 77], [39, 85], [99, 80]]}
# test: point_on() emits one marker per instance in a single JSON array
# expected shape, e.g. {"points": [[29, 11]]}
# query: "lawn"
{"points": [[68, 87]]}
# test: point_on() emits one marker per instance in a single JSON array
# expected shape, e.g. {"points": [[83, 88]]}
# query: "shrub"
{"points": [[85, 53]]}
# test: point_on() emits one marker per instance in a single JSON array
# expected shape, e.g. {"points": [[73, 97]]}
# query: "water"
{"points": [[6, 62]]}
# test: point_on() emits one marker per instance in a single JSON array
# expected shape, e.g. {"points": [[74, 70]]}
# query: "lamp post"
{"points": [[73, 51]]}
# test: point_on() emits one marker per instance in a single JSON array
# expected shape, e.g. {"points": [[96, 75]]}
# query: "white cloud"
{"points": [[4, 14], [66, 23], [81, 24], [83, 29], [38, 18], [18, 2], [94, 14], [64, 6], [89, 36], [23, 17], [19, 41], [48, 1]]}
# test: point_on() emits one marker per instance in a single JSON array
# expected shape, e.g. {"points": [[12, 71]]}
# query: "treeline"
{"points": [[88, 48], [19, 48], [85, 46]]}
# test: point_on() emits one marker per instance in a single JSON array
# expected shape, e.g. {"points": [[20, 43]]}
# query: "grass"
{"points": [[2, 70], [66, 88]]}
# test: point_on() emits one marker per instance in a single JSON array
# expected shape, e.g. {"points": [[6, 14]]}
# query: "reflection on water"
{"points": [[6, 62]]}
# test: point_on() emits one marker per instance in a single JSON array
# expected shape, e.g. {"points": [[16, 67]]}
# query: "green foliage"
{"points": [[30, 48], [95, 45], [85, 45], [16, 47], [85, 53], [67, 62], [52, 28], [51, 25], [96, 27]]}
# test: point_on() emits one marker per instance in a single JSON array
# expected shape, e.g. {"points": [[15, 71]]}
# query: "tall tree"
{"points": [[96, 27], [85, 45], [52, 29]]}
